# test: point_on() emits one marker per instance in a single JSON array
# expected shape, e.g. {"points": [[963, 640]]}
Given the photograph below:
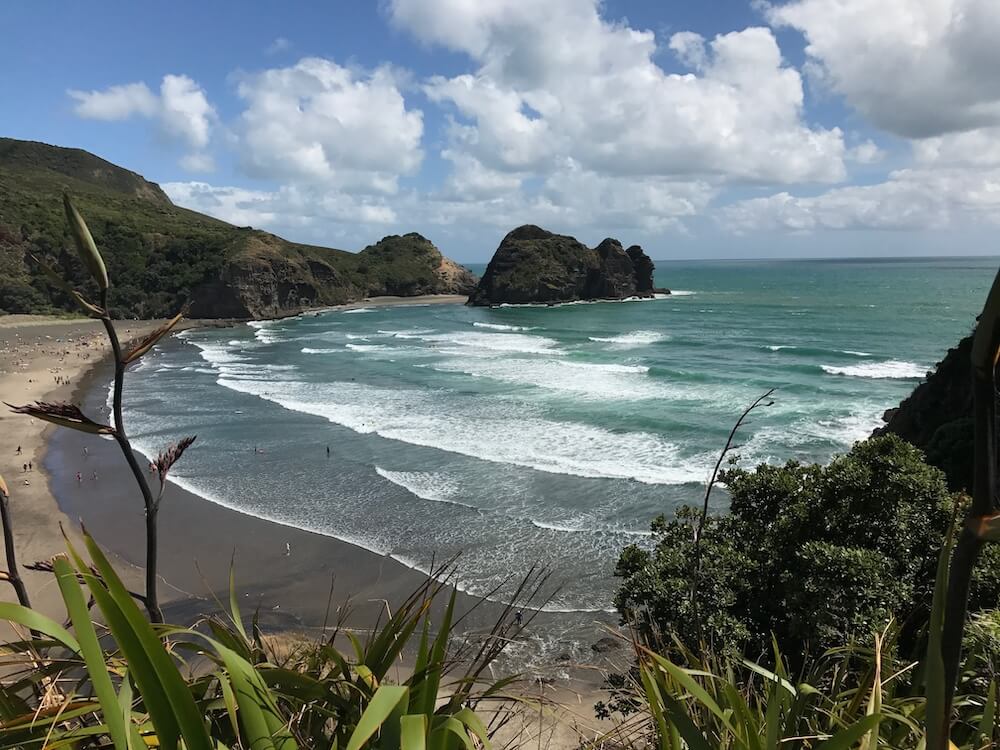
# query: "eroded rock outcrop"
{"points": [[532, 265], [937, 416]]}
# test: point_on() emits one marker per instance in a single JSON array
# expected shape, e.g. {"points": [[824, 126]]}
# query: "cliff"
{"points": [[160, 255], [937, 416], [532, 265]]}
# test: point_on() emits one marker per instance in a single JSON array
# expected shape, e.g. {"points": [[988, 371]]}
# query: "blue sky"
{"points": [[804, 128]]}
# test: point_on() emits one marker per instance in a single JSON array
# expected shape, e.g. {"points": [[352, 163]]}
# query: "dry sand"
{"points": [[199, 538]]}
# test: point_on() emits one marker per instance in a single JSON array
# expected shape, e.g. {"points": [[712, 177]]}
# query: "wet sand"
{"points": [[318, 581]]}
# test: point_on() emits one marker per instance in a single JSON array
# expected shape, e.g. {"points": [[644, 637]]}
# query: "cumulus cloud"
{"points": [[910, 199], [181, 110], [287, 207], [917, 68], [556, 81], [322, 123]]}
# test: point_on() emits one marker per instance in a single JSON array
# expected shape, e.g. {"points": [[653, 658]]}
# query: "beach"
{"points": [[296, 581]]}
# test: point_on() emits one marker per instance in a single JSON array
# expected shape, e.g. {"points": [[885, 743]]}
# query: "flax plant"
{"points": [[69, 415]]}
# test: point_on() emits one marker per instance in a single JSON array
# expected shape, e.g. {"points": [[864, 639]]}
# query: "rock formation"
{"points": [[532, 265], [937, 416]]}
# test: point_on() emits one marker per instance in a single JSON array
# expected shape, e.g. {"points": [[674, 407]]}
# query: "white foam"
{"points": [[495, 430], [858, 354], [496, 342], [425, 485], [356, 337], [408, 333], [779, 347], [677, 293], [585, 380], [890, 369], [633, 339], [585, 530], [307, 350], [368, 347], [359, 310], [502, 327]]}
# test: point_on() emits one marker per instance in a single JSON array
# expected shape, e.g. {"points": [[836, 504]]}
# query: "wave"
{"points": [[680, 293], [368, 347], [890, 369], [408, 333], [359, 310], [779, 347], [587, 530], [583, 380], [425, 485], [355, 336], [858, 354], [307, 350], [502, 327], [508, 343], [491, 430], [628, 340]]}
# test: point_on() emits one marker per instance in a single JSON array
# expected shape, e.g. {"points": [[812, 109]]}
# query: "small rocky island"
{"points": [[533, 265]]}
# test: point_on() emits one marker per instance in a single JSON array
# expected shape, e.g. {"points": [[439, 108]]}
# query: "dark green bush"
{"points": [[814, 555]]}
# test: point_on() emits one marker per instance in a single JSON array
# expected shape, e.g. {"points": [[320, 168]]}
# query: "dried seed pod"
{"points": [[85, 245], [64, 415]]}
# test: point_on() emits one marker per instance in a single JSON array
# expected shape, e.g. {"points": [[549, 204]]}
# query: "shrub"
{"points": [[813, 555]]}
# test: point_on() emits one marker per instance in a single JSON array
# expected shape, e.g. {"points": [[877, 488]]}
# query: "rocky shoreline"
{"points": [[535, 266]]}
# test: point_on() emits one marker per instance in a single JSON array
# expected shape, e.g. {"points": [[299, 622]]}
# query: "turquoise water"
{"points": [[545, 434]]}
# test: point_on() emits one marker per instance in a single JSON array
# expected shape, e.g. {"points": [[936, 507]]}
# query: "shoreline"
{"points": [[198, 536]]}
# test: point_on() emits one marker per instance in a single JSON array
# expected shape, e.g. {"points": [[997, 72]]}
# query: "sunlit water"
{"points": [[549, 435]]}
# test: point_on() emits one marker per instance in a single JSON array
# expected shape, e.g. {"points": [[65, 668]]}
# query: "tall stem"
{"points": [[703, 517], [13, 574], [152, 601], [985, 349]]}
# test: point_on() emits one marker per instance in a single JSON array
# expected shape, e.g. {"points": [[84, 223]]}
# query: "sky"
{"points": [[699, 129]]}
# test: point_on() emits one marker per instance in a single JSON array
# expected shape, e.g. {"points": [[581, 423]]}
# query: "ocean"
{"points": [[545, 435]]}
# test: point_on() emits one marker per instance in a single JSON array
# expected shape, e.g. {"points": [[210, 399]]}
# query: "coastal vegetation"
{"points": [[829, 611], [161, 256]]}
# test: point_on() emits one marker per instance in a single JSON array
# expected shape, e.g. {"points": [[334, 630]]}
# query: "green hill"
{"points": [[160, 255]]}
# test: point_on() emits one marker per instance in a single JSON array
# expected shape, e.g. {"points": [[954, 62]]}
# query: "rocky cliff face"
{"points": [[268, 277], [937, 416], [532, 265]]}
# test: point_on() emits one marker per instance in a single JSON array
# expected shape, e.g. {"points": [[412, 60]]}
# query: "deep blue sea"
{"points": [[552, 435]]}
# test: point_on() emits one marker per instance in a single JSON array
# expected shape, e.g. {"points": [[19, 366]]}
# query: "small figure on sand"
{"points": [[24, 467], [518, 618], [18, 451], [327, 451], [288, 549], [95, 476], [86, 451], [79, 477], [29, 465]]}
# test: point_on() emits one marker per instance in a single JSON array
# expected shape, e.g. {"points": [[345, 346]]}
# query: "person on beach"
{"points": [[29, 465], [95, 476], [327, 451], [288, 550], [18, 451], [86, 452], [79, 477], [518, 618]]}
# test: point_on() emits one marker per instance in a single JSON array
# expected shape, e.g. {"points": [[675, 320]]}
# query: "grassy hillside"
{"points": [[160, 255]]}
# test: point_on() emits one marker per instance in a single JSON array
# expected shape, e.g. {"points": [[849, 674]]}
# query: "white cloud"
{"points": [[555, 81], [321, 123], [116, 102], [280, 44], [866, 153], [299, 208], [917, 68], [181, 110], [198, 162], [975, 148], [910, 199]]}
